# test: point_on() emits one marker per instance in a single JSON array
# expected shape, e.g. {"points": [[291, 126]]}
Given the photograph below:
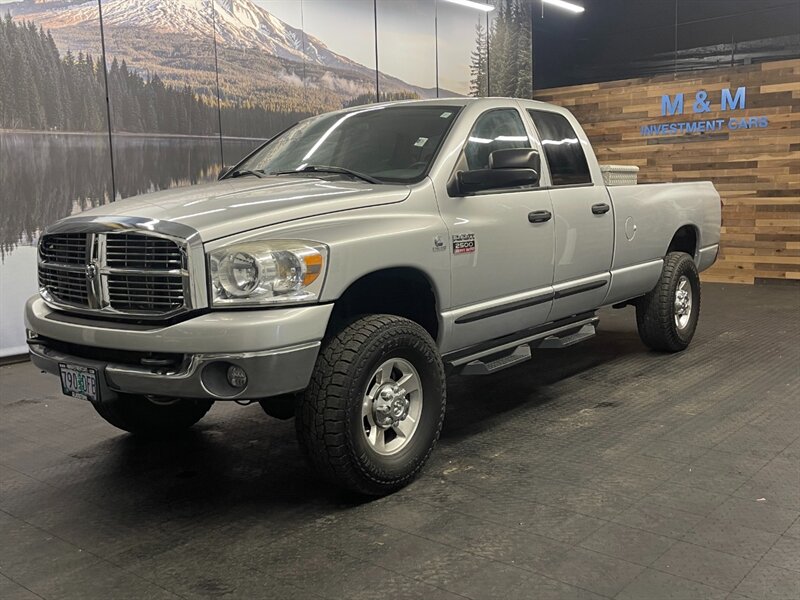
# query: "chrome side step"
{"points": [[478, 367], [554, 341], [575, 327]]}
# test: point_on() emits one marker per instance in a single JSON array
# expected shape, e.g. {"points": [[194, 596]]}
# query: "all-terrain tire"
{"points": [[330, 422], [138, 415], [655, 312]]}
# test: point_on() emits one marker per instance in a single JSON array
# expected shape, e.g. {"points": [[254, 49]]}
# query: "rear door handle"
{"points": [[539, 216], [600, 209]]}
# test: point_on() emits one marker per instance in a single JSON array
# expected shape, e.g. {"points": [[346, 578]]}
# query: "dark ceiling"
{"points": [[617, 39]]}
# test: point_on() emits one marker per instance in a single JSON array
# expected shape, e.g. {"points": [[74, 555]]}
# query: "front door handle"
{"points": [[600, 209], [539, 216]]}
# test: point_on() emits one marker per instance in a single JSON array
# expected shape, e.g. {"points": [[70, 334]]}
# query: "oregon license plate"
{"points": [[79, 382]]}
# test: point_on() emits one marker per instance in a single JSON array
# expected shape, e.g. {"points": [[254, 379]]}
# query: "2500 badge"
{"points": [[463, 243]]}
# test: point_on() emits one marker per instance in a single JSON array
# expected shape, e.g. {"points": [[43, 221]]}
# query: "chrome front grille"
{"points": [[120, 273], [67, 286], [145, 292], [137, 251], [66, 248]]}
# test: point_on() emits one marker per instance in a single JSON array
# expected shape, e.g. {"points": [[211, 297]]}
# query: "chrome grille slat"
{"points": [[67, 248], [69, 286], [145, 292], [122, 286], [147, 299], [66, 286], [70, 267], [137, 251], [129, 273], [156, 292], [117, 254]]}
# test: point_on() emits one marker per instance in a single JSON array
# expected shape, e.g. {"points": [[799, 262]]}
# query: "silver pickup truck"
{"points": [[342, 269]]}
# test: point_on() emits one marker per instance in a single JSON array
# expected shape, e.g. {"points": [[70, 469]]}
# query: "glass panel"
{"points": [[340, 51], [406, 49], [162, 91], [562, 148], [461, 44], [494, 130], [262, 73], [394, 143], [509, 50]]}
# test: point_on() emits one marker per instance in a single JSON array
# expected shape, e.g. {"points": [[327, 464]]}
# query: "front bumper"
{"points": [[277, 348]]}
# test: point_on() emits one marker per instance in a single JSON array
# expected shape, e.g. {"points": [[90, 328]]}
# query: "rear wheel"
{"points": [[143, 415], [373, 412], [667, 315]]}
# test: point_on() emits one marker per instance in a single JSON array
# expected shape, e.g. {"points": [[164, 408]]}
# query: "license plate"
{"points": [[79, 382]]}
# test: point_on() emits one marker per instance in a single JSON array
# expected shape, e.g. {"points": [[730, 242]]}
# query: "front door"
{"points": [[502, 262]]}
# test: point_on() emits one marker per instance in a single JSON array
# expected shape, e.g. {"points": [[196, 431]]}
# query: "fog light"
{"points": [[237, 377]]}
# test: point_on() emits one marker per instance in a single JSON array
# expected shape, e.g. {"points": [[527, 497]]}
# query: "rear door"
{"points": [[584, 219]]}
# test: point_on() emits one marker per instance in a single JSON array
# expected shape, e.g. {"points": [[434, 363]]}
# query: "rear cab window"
{"points": [[562, 149]]}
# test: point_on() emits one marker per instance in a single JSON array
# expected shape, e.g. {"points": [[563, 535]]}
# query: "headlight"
{"points": [[267, 272]]}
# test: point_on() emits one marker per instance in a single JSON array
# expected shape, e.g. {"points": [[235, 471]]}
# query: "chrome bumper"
{"points": [[707, 256], [200, 376], [276, 348]]}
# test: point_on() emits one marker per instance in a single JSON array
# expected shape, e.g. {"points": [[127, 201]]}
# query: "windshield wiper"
{"points": [[329, 169], [243, 172]]}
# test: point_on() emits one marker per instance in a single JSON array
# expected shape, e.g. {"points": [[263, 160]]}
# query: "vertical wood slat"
{"points": [[756, 171]]}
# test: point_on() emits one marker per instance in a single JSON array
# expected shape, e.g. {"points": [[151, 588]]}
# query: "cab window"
{"points": [[494, 130], [562, 148]]}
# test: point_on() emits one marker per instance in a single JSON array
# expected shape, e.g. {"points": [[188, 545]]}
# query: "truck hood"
{"points": [[232, 206]]}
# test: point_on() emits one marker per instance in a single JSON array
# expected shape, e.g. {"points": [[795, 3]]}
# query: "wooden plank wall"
{"points": [[756, 171]]}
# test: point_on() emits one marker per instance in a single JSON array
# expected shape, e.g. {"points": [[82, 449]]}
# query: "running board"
{"points": [[478, 367], [554, 341], [533, 338]]}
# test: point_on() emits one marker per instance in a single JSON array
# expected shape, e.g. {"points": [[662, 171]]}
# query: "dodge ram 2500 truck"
{"points": [[343, 268]]}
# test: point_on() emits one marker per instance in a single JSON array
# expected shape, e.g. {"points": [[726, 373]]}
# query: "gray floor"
{"points": [[602, 470]]}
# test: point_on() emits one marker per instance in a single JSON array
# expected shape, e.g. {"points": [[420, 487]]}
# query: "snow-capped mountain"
{"points": [[239, 24], [259, 53]]}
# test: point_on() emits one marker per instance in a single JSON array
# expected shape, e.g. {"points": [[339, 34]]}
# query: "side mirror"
{"points": [[515, 158], [470, 182], [512, 167]]}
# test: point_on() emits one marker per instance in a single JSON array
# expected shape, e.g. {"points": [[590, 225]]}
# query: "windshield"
{"points": [[388, 143]]}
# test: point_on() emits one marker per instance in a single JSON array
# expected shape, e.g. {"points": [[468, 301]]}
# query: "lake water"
{"points": [[45, 177]]}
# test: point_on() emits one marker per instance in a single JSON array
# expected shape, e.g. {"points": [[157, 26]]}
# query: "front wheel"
{"points": [[373, 412], [156, 417], [667, 315]]}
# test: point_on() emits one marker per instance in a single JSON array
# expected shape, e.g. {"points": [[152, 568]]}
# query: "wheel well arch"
{"points": [[685, 239], [403, 291]]}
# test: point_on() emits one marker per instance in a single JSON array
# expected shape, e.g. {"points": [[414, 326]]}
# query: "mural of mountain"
{"points": [[174, 38], [179, 89], [239, 24]]}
